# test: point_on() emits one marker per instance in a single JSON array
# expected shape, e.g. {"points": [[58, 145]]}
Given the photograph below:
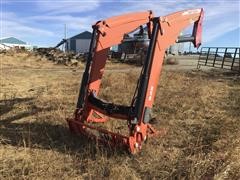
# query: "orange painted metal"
{"points": [[111, 32], [172, 25]]}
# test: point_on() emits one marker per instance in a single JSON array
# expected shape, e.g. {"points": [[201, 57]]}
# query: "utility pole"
{"points": [[65, 37]]}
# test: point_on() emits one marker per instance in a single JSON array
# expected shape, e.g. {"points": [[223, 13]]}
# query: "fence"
{"points": [[220, 57]]}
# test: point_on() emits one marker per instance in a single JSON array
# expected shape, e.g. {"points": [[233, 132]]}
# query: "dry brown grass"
{"points": [[200, 110]]}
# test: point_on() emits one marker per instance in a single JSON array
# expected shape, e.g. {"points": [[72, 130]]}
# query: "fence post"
{"points": [[224, 57], [215, 57], [207, 56]]}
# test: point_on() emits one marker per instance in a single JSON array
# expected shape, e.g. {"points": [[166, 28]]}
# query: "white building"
{"points": [[176, 49], [9, 42]]}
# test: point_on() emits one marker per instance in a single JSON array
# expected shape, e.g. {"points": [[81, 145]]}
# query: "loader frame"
{"points": [[162, 31]]}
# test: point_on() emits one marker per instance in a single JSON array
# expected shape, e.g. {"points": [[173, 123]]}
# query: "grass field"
{"points": [[199, 109]]}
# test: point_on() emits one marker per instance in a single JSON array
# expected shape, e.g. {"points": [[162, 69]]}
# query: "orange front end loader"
{"points": [[162, 31]]}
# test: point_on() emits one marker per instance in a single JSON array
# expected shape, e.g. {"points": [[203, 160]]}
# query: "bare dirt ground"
{"points": [[199, 109]]}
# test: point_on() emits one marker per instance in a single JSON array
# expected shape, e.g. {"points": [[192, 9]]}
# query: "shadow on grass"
{"points": [[43, 134], [233, 107], [133, 62], [51, 137], [7, 105]]}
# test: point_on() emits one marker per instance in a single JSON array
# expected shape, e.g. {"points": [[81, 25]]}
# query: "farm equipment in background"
{"points": [[162, 31], [133, 48], [62, 42]]}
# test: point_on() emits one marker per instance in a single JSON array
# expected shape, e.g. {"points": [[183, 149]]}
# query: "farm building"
{"points": [[9, 42], [175, 49], [79, 43]]}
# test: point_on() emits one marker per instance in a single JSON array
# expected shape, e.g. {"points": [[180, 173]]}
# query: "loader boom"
{"points": [[163, 31]]}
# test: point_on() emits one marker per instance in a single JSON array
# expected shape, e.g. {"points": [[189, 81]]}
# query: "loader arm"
{"points": [[163, 31], [107, 33], [166, 30]]}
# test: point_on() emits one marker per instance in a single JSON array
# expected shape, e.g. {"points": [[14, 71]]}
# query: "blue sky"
{"points": [[41, 22]]}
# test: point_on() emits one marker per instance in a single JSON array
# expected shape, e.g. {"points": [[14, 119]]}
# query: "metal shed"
{"points": [[79, 43]]}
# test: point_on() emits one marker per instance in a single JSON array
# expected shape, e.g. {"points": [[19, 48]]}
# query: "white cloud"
{"points": [[72, 22], [220, 17], [47, 20], [66, 6], [12, 28], [49, 16], [4, 2], [214, 32], [13, 24]]}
